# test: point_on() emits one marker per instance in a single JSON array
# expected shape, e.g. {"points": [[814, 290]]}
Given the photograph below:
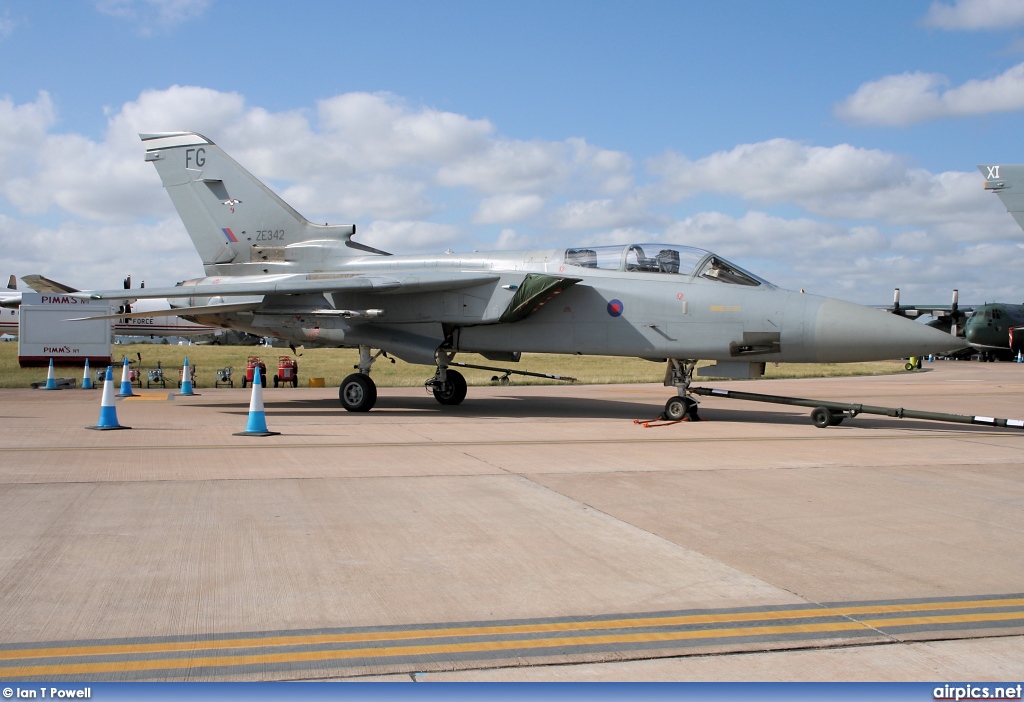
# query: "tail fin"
{"points": [[1008, 184], [235, 219], [12, 284], [40, 284]]}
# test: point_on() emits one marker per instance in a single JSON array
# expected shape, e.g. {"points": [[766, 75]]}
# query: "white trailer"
{"points": [[45, 333]]}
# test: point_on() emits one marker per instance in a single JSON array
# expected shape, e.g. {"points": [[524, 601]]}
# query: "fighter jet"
{"points": [[272, 272]]}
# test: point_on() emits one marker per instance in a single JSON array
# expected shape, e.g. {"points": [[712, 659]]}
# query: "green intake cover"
{"points": [[533, 292]]}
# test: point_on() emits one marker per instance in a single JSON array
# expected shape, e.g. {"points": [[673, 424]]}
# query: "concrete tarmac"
{"points": [[532, 533]]}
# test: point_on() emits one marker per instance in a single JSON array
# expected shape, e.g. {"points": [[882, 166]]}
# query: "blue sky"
{"points": [[829, 146]]}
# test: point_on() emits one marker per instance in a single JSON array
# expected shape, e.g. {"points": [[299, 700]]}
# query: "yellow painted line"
{"points": [[506, 629], [150, 397], [422, 650], [945, 619]]}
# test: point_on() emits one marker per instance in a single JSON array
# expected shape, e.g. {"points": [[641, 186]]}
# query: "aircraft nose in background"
{"points": [[973, 331], [845, 332]]}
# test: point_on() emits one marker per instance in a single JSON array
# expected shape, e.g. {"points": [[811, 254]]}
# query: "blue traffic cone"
{"points": [[108, 413], [51, 382], [86, 380], [126, 380], [186, 379], [1020, 358], [257, 425]]}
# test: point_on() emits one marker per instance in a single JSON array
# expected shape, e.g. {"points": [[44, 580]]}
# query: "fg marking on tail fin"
{"points": [[237, 224]]}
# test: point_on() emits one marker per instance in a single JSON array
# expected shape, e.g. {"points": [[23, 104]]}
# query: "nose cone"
{"points": [[974, 332], [843, 332]]}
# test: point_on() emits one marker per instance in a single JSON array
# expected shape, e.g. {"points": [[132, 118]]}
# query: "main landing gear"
{"points": [[447, 385], [679, 374], [358, 393]]}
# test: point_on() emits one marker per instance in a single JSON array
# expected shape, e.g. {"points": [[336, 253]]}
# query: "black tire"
{"points": [[822, 417], [358, 393], [276, 381], [244, 381], [263, 380], [295, 382], [675, 409], [453, 391], [836, 420], [909, 366]]}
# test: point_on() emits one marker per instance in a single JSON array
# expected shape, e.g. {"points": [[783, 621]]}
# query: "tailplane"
{"points": [[238, 225]]}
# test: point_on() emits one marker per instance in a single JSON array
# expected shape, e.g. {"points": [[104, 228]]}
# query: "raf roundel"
{"points": [[615, 308]]}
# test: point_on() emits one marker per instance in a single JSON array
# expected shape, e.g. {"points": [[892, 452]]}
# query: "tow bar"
{"points": [[826, 413]]}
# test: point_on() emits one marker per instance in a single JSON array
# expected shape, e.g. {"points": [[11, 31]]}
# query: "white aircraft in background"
{"points": [[9, 318], [162, 326]]}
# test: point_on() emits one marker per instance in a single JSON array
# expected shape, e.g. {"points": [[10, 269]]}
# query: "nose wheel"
{"points": [[679, 408], [679, 374]]}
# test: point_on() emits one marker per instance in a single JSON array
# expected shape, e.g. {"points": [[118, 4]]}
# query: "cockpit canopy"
{"points": [[662, 258]]}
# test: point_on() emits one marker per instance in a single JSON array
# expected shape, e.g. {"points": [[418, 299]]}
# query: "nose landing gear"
{"points": [[678, 408], [679, 374]]}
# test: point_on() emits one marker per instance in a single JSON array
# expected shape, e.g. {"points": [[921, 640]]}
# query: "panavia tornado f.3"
{"points": [[272, 272]]}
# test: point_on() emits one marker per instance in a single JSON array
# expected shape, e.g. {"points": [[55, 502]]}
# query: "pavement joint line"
{"points": [[537, 442], [575, 633]]}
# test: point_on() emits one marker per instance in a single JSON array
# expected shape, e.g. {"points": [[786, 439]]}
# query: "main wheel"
{"points": [[453, 390], [822, 417], [358, 393]]}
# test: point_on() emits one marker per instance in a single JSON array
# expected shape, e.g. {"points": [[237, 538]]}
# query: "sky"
{"points": [[830, 146]]}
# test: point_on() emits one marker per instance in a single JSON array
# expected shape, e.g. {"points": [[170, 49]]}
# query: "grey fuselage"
{"points": [[614, 311]]}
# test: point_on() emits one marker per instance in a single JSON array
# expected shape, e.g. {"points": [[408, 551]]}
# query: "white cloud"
{"points": [[408, 236], [604, 213], [909, 98], [379, 131], [23, 129], [150, 14], [508, 165], [511, 240], [160, 253], [7, 25], [817, 216], [975, 14], [373, 195], [507, 209], [778, 170], [838, 182]]}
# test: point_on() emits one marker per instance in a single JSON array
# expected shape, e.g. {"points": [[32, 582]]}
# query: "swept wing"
{"points": [[405, 282]]}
